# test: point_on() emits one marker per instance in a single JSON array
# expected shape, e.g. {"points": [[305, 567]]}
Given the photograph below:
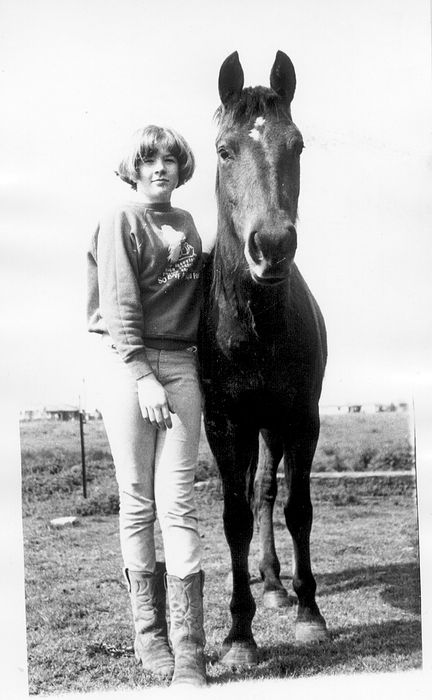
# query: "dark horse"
{"points": [[262, 346]]}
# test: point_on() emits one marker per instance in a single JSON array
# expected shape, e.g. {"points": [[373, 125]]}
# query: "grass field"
{"points": [[51, 457], [364, 553]]}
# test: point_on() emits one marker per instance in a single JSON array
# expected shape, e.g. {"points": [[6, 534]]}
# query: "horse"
{"points": [[262, 348]]}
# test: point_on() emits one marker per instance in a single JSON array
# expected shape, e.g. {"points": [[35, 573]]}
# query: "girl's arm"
{"points": [[119, 292], [121, 307]]}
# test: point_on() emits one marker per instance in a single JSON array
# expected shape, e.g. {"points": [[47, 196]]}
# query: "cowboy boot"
{"points": [[186, 628], [148, 599]]}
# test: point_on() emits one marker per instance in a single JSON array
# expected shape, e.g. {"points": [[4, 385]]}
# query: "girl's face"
{"points": [[158, 177]]}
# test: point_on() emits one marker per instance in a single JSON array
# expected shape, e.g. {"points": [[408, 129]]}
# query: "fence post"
{"points": [[83, 464]]}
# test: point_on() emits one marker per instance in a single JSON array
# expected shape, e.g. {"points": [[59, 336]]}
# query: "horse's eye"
{"points": [[224, 154]]}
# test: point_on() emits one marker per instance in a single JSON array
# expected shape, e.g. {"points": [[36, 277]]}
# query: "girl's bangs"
{"points": [[158, 139]]}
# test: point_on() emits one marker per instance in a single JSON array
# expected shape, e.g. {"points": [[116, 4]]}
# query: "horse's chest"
{"points": [[275, 358], [260, 372]]}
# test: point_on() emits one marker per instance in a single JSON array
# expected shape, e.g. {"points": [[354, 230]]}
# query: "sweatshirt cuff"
{"points": [[139, 366]]}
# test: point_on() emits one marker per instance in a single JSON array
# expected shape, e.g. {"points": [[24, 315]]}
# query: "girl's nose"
{"points": [[160, 166]]}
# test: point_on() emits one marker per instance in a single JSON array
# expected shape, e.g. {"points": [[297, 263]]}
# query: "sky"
{"points": [[77, 77]]}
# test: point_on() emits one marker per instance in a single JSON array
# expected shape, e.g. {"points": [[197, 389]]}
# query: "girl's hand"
{"points": [[153, 402]]}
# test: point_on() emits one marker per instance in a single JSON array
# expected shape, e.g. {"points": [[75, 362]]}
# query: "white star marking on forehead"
{"points": [[254, 133]]}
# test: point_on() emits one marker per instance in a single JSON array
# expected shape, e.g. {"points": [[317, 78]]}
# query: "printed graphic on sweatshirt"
{"points": [[181, 255]]}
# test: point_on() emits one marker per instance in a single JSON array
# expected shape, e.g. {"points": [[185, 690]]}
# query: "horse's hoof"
{"points": [[310, 632], [239, 654], [278, 598]]}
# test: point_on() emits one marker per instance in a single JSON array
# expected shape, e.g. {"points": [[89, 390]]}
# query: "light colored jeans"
{"points": [[155, 469]]}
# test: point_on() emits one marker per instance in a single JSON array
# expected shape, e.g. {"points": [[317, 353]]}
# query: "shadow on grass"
{"points": [[401, 583], [388, 646], [393, 638]]}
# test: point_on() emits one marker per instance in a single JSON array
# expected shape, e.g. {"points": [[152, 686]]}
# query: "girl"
{"points": [[144, 294]]}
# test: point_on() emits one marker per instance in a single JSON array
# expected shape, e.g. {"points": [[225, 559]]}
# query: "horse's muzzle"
{"points": [[269, 255]]}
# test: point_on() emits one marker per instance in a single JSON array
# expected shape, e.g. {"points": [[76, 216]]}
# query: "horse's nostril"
{"points": [[254, 247]]}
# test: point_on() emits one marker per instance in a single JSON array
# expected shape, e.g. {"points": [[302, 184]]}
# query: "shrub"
{"points": [[100, 503], [366, 456], [394, 458]]}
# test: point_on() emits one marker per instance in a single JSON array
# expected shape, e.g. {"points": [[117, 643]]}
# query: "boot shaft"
{"points": [[148, 601], [148, 598], [186, 608], [187, 629]]}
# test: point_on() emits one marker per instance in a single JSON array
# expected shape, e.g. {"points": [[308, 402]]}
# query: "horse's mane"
{"points": [[230, 272], [252, 102]]}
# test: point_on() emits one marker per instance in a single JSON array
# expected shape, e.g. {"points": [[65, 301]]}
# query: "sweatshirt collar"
{"points": [[156, 206]]}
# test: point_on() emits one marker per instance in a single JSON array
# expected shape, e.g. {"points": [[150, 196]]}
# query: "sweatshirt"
{"points": [[144, 281]]}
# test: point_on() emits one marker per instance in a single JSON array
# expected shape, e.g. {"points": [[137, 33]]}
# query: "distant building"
{"points": [[386, 408], [57, 412], [369, 408], [62, 412], [335, 409], [32, 413], [93, 415]]}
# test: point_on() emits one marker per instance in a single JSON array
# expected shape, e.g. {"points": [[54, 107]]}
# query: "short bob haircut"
{"points": [[146, 142]]}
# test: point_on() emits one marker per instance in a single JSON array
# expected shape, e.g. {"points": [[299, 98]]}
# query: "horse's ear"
{"points": [[231, 79], [283, 77]]}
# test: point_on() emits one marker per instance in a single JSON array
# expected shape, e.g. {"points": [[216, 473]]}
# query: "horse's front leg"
{"points": [[299, 452], [235, 450], [265, 492]]}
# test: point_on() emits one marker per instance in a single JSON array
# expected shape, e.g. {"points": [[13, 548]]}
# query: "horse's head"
{"points": [[258, 173]]}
